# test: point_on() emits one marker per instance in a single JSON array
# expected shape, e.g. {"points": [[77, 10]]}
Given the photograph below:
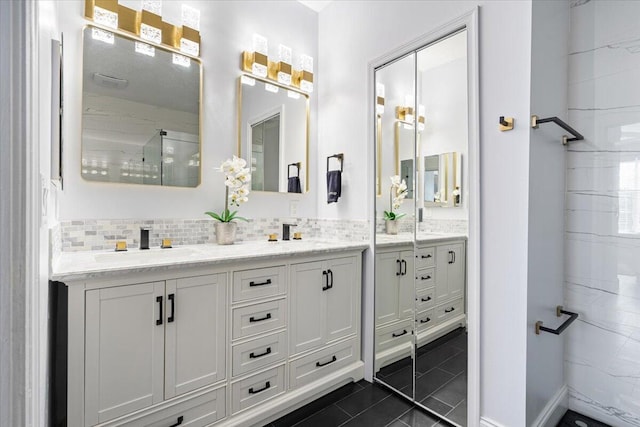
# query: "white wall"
{"points": [[549, 68], [226, 30], [505, 47]]}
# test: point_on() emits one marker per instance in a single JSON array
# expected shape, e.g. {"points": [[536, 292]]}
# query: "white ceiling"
{"points": [[316, 5], [443, 51]]}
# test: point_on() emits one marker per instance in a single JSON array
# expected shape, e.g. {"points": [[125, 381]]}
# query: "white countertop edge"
{"points": [[73, 266], [387, 240]]}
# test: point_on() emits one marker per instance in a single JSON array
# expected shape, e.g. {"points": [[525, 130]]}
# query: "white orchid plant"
{"points": [[237, 179], [397, 193]]}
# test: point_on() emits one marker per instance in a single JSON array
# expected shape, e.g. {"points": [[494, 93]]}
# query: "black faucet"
{"points": [[144, 238], [286, 230]]}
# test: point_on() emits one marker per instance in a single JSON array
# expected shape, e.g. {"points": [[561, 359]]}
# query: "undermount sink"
{"points": [[155, 254]]}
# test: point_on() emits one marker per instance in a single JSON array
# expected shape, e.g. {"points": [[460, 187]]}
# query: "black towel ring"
{"points": [[340, 158]]}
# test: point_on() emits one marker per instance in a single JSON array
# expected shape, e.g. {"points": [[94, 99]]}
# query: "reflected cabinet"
{"points": [[422, 141]]}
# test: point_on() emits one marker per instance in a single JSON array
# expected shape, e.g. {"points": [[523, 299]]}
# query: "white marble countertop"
{"points": [[388, 240], [92, 264]]}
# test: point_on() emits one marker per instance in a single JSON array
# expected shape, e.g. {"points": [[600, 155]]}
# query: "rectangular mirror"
{"points": [[441, 181], [140, 112], [273, 135]]}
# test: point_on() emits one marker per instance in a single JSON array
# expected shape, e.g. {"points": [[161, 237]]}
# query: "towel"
{"points": [[293, 185], [334, 186]]}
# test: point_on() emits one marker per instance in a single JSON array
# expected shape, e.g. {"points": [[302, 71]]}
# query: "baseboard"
{"points": [[487, 422], [554, 409]]}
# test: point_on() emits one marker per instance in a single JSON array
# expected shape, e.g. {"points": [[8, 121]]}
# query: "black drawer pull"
{"points": [[159, 301], [425, 277], [252, 355], [266, 386], [172, 317], [404, 332], [399, 264], [426, 256], [179, 421], [252, 283], [259, 319], [333, 359], [425, 300], [449, 310], [425, 320]]}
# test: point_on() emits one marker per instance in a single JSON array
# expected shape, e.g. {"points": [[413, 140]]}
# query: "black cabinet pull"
{"points": [[330, 274], [159, 301], [266, 386], [450, 257], [425, 300], [319, 365], [449, 310], [399, 264], [404, 332], [425, 320], [404, 269], [252, 355], [325, 276], [427, 256], [178, 421], [172, 298], [267, 282], [259, 319], [425, 277]]}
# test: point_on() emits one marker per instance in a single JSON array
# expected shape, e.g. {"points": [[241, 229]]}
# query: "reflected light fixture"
{"points": [[181, 60], [271, 88], [379, 99], [293, 94], [421, 114], [303, 78], [246, 80], [145, 49]]}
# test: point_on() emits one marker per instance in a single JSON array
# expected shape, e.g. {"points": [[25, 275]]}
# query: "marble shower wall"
{"points": [[602, 271]]}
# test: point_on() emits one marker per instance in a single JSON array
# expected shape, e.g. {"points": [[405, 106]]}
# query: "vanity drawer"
{"points": [[259, 283], [257, 388], [198, 411], [425, 258], [443, 312], [425, 278], [259, 318], [393, 335], [259, 352], [425, 299], [425, 320], [316, 365]]}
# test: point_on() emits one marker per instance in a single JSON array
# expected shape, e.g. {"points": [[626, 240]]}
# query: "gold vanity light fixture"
{"points": [[421, 114], [379, 99], [147, 24], [257, 62], [281, 70], [303, 78]]}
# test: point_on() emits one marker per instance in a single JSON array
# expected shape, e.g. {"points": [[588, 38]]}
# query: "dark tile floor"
{"points": [[441, 372], [574, 419]]}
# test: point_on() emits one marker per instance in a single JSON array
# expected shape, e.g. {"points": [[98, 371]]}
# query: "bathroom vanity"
{"points": [[206, 334]]}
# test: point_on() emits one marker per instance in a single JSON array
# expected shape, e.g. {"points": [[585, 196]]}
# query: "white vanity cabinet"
{"points": [[324, 302], [225, 343], [451, 272], [149, 342]]}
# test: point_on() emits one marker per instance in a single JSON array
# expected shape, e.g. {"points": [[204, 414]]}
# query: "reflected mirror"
{"points": [[273, 135], [140, 112], [421, 268]]}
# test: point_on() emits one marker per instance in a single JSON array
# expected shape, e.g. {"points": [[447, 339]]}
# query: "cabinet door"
{"points": [[195, 333], [443, 259], [456, 271], [342, 309], [407, 285], [388, 270], [124, 350], [308, 306]]}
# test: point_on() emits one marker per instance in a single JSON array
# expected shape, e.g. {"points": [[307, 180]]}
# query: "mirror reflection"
{"points": [[273, 131], [141, 112], [420, 270]]}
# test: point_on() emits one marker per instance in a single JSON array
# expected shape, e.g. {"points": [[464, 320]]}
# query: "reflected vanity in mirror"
{"points": [[273, 135], [421, 272], [140, 112]]}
